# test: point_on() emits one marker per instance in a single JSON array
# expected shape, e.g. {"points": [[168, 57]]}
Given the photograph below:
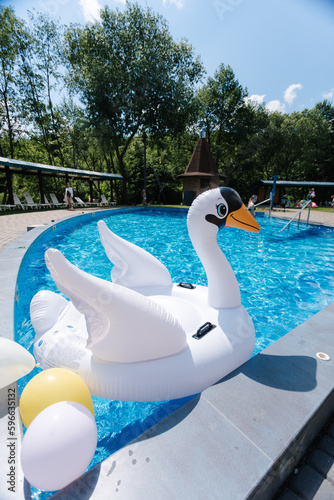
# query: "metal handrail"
{"points": [[261, 202], [308, 203]]}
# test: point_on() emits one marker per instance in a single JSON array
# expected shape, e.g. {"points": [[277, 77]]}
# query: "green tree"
{"points": [[326, 109], [315, 132], [132, 77], [297, 144], [40, 73], [224, 113], [166, 158], [2, 125], [293, 146], [34, 110], [10, 40]]}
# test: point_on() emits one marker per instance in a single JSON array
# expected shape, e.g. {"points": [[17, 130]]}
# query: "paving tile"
{"points": [[14, 225], [316, 217], [330, 431], [322, 463], [310, 485], [327, 445], [288, 494], [6, 314]]}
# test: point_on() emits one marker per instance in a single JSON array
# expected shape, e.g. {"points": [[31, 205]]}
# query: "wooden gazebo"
{"points": [[201, 173]]}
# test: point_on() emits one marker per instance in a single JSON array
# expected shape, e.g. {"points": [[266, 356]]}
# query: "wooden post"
{"points": [[41, 187], [9, 185]]}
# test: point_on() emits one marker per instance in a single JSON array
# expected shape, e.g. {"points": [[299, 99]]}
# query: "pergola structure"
{"points": [[11, 167], [265, 185]]}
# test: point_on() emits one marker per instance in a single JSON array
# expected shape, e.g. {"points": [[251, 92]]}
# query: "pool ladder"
{"points": [[307, 204]]}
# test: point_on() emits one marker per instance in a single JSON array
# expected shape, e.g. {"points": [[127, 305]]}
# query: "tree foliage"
{"points": [[10, 41], [40, 78], [132, 76]]}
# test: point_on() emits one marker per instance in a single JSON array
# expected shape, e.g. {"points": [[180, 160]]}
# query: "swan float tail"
{"points": [[133, 266], [123, 326]]}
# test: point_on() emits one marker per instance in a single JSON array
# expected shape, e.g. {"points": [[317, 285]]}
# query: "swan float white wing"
{"points": [[133, 266], [123, 326]]}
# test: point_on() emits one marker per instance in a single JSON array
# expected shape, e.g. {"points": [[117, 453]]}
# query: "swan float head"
{"points": [[221, 207], [211, 211]]}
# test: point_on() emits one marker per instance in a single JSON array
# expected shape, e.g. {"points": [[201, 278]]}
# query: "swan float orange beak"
{"points": [[242, 219]]}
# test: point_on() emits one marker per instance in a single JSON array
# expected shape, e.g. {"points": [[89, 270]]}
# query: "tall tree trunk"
{"points": [[36, 104], [9, 124], [1, 151], [54, 122]]}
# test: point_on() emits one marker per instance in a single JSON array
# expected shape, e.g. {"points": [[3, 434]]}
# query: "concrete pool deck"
{"points": [[238, 440]]}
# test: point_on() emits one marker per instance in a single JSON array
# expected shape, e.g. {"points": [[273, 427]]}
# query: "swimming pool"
{"points": [[284, 279]]}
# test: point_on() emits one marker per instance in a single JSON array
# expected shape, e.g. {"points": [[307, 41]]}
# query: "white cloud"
{"points": [[290, 93], [258, 99], [177, 3], [275, 105], [289, 96], [329, 94], [91, 9]]}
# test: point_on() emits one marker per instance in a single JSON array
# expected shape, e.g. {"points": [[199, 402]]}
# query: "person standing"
{"points": [[68, 197], [144, 196], [251, 204], [311, 194]]}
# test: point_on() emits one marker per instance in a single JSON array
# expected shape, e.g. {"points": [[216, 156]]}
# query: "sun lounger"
{"points": [[47, 203], [81, 203], [7, 207], [104, 201], [55, 201], [31, 203], [18, 203]]}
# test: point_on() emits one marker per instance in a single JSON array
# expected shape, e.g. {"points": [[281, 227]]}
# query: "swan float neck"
{"points": [[205, 219]]}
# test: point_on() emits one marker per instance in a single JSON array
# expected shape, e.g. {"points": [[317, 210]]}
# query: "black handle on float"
{"points": [[203, 330], [190, 286]]}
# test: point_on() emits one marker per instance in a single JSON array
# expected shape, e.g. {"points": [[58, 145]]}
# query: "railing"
{"points": [[252, 207], [307, 204], [261, 202]]}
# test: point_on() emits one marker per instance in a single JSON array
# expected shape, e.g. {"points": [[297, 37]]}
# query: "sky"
{"points": [[282, 51]]}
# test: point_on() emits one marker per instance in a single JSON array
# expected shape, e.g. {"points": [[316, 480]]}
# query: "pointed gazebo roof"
{"points": [[201, 162]]}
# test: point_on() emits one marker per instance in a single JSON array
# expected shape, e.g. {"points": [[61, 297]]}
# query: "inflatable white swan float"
{"points": [[141, 337]]}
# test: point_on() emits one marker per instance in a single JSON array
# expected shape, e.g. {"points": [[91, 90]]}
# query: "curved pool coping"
{"points": [[288, 393]]}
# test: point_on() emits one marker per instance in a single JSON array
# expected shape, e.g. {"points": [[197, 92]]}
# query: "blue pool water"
{"points": [[284, 279]]}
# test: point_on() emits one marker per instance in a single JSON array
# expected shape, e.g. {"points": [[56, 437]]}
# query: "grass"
{"points": [[323, 209], [319, 209]]}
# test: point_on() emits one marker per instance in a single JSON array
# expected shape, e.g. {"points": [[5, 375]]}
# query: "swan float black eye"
{"points": [[221, 210]]}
